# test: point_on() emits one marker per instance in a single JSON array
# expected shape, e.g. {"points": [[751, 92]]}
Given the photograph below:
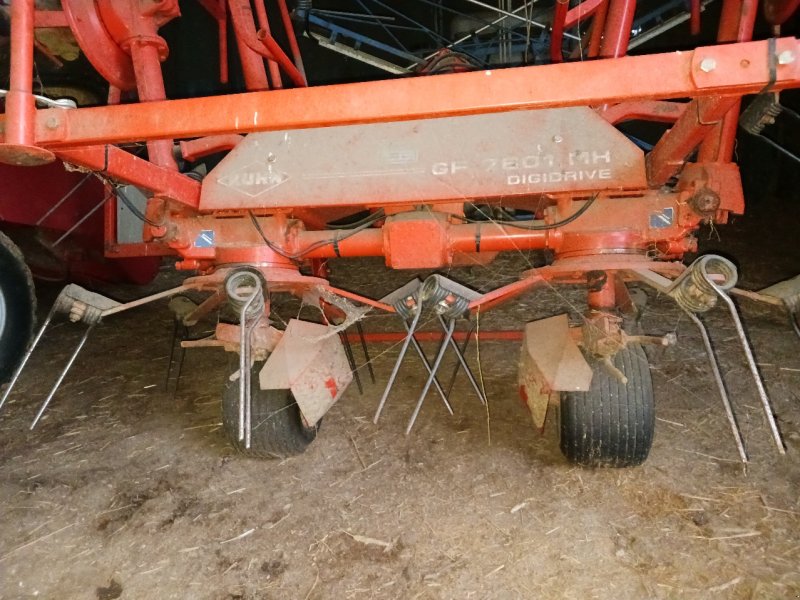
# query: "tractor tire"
{"points": [[17, 307], [612, 424], [278, 428]]}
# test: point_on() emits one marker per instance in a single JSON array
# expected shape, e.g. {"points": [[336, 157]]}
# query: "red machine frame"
{"points": [[602, 234], [621, 88]]}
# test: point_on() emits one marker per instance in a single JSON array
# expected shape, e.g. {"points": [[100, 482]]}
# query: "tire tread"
{"points": [[278, 429], [612, 424]]}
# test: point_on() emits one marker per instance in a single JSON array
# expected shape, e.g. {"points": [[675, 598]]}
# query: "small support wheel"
{"points": [[17, 307], [278, 428], [612, 424]]}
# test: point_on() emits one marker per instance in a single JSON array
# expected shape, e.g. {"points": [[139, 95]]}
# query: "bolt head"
{"points": [[52, 123], [705, 201], [707, 65], [786, 57]]}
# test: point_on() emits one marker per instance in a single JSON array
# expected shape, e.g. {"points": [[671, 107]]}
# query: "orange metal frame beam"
{"points": [[733, 69]]}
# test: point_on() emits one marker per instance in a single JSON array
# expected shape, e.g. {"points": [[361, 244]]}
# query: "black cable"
{"points": [[321, 244], [376, 216], [544, 227], [370, 218], [277, 250]]}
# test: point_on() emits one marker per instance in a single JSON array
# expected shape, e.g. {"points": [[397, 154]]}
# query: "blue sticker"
{"points": [[662, 219], [205, 239]]}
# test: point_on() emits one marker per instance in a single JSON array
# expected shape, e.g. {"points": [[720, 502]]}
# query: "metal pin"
{"points": [[438, 361], [181, 358], [351, 360], [366, 351], [61, 377], [403, 349], [179, 333], [172, 339], [712, 359]]}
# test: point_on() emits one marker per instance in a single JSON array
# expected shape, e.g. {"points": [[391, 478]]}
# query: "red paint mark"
{"points": [[523, 395], [332, 387]]}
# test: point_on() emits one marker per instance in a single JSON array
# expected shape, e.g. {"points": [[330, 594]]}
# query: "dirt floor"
{"points": [[128, 491]]}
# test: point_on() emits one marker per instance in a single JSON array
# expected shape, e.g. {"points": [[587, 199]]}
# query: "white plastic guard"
{"points": [[550, 362], [310, 361]]}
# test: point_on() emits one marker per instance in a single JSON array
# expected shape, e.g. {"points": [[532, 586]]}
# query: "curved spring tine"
{"points": [[463, 362], [427, 366], [28, 353], [751, 362], [62, 375], [438, 361], [712, 359], [248, 405], [403, 349]]}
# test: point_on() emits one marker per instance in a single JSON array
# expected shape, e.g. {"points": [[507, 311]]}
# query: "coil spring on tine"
{"points": [[77, 311], [240, 287], [304, 4], [697, 292], [408, 305], [444, 301]]}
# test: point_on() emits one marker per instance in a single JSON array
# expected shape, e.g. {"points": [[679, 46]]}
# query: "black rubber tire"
{"points": [[278, 429], [612, 424], [18, 309]]}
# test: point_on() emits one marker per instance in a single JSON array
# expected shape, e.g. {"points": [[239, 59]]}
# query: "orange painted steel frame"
{"points": [[625, 87], [740, 69]]}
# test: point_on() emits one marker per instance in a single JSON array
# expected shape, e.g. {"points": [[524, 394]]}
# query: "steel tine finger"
{"points": [[463, 363], [248, 392], [248, 407], [28, 353], [183, 334], [712, 360], [242, 363], [367, 358], [63, 374], [462, 350], [436, 363], [427, 364], [351, 360], [751, 362], [403, 349], [172, 339], [179, 371]]}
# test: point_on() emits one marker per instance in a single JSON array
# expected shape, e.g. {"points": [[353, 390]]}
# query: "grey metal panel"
{"points": [[129, 226], [435, 160]]}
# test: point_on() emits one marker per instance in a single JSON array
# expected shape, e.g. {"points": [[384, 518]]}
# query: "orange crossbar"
{"points": [[733, 69]]}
